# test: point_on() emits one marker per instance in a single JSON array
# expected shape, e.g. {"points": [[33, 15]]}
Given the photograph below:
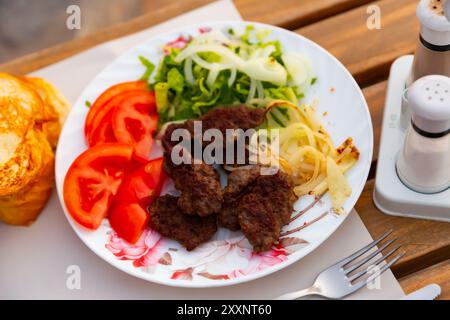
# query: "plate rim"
{"points": [[117, 263]]}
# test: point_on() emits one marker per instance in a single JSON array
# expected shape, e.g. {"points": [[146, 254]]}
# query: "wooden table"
{"points": [[340, 27]]}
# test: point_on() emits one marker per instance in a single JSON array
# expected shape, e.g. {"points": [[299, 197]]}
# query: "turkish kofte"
{"points": [[259, 205], [169, 221], [265, 209], [199, 184], [240, 181]]}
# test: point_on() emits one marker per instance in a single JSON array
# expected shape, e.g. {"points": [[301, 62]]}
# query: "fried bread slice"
{"points": [[56, 107], [18, 100], [24, 164], [31, 115], [19, 150], [31, 179]]}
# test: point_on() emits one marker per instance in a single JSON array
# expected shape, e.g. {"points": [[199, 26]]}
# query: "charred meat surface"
{"points": [[236, 117], [190, 231], [259, 205], [199, 184], [240, 181], [265, 209], [166, 139], [222, 118]]}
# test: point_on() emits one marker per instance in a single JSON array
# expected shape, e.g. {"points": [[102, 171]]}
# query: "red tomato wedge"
{"points": [[129, 214], [104, 132], [96, 111], [102, 114], [135, 121], [92, 181]]}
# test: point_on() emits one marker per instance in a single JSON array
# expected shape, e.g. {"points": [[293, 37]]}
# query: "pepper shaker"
{"points": [[424, 163], [433, 49]]}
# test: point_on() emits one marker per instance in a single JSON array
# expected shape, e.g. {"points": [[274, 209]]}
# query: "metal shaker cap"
{"points": [[429, 100], [435, 26]]}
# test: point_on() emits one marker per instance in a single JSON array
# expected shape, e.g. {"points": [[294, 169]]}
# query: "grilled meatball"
{"points": [[190, 231], [264, 210], [240, 181], [166, 139], [199, 184], [235, 117]]}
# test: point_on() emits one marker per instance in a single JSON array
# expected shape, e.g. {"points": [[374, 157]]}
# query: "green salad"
{"points": [[218, 68]]}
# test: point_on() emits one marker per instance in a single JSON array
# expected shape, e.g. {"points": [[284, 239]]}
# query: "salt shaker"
{"points": [[432, 54], [424, 163], [433, 50]]}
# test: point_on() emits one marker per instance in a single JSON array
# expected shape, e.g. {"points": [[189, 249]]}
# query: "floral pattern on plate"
{"points": [[214, 260]]}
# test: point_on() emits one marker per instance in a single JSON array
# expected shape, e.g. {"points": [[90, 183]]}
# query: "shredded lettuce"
{"points": [[223, 68], [149, 68], [161, 91]]}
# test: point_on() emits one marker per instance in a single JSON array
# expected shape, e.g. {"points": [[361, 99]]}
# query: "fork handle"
{"points": [[298, 294]]}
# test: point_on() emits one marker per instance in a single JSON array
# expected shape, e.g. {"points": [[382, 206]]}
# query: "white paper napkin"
{"points": [[35, 261]]}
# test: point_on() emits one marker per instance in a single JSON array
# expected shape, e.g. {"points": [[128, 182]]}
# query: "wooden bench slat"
{"points": [[439, 274], [368, 54], [375, 97], [40, 59], [376, 48], [293, 14], [284, 13], [425, 242]]}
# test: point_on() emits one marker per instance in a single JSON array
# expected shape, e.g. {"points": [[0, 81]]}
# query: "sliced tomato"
{"points": [[107, 96], [104, 132], [129, 212], [128, 221], [107, 109], [135, 121], [92, 181]]}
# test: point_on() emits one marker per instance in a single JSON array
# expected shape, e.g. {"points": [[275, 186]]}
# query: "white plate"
{"points": [[227, 259]]}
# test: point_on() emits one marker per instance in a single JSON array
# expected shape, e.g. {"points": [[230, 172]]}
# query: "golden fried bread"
{"points": [[55, 110], [23, 206], [19, 100], [31, 116], [24, 164]]}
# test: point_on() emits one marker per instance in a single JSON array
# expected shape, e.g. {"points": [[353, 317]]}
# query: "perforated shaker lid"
{"points": [[435, 27], [429, 100]]}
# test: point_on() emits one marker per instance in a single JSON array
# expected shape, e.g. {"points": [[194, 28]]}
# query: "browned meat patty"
{"points": [[166, 140], [240, 181], [190, 231], [235, 117], [199, 184], [264, 210]]}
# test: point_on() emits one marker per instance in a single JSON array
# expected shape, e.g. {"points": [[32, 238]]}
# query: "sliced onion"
{"points": [[224, 52], [214, 35], [299, 68], [208, 65], [212, 76], [251, 91], [188, 71], [232, 77], [266, 69], [260, 90]]}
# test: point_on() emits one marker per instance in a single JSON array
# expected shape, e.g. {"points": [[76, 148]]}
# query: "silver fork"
{"points": [[338, 281]]}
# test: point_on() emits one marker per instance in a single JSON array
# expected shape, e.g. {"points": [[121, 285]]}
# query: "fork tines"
{"points": [[367, 256]]}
